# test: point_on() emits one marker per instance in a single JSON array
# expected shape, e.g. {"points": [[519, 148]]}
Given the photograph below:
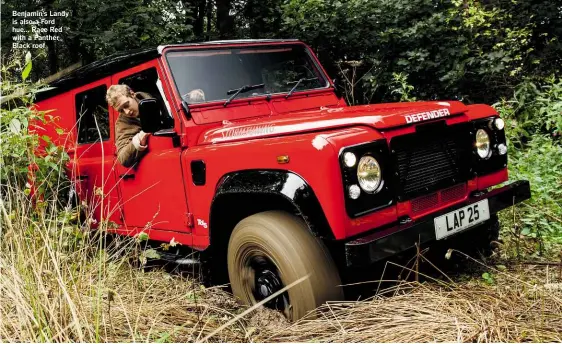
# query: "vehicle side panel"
{"points": [[91, 164], [152, 192], [262, 155]]}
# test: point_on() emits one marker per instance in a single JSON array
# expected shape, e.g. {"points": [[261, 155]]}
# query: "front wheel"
{"points": [[272, 249]]}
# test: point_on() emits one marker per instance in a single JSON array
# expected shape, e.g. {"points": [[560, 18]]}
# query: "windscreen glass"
{"points": [[215, 74]]}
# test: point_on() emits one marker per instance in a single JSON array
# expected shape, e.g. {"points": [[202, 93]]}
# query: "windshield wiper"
{"points": [[235, 92], [297, 83]]}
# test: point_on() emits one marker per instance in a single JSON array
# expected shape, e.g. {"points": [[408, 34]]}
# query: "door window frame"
{"points": [[168, 101], [109, 143], [78, 117]]}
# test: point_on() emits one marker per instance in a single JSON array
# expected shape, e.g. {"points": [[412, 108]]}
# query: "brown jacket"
{"points": [[125, 129]]}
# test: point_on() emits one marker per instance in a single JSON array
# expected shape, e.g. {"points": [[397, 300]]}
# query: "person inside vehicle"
{"points": [[194, 96], [131, 141]]}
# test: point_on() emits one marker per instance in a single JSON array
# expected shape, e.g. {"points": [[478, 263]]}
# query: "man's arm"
{"points": [[127, 153]]}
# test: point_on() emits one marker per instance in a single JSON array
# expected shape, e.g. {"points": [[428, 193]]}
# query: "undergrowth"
{"points": [[534, 127]]}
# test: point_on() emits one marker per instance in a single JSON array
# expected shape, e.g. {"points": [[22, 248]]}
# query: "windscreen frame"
{"points": [[249, 98]]}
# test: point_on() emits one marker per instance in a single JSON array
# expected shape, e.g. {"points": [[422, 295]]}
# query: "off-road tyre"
{"points": [[487, 241], [283, 240]]}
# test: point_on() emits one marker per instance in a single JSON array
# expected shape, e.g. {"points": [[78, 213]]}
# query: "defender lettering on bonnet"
{"points": [[423, 116], [253, 130]]}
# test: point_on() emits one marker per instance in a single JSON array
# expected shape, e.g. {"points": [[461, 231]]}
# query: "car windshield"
{"points": [[209, 75]]}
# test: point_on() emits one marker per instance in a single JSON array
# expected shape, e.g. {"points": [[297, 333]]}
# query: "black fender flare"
{"points": [[280, 184]]}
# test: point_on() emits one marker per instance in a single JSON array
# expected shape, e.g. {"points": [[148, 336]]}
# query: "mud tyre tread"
{"points": [[286, 241]]}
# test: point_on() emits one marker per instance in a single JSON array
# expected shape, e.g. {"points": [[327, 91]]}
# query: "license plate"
{"points": [[461, 219]]}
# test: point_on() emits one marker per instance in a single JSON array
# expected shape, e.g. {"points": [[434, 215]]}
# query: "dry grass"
{"points": [[427, 313], [61, 283]]}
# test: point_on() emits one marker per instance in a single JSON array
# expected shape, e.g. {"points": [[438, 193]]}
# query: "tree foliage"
{"points": [[27, 156], [468, 49], [465, 49]]}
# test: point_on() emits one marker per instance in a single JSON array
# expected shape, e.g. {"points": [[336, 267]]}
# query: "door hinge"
{"points": [[189, 220]]}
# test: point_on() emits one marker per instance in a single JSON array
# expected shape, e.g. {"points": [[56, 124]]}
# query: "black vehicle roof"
{"points": [[121, 61]]}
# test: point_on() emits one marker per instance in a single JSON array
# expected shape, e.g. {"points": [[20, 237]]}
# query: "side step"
{"points": [[181, 258]]}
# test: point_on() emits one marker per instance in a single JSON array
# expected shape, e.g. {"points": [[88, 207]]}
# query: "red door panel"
{"points": [[96, 182], [94, 165], [153, 192]]}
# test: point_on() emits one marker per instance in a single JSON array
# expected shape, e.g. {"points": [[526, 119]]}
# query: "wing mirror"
{"points": [[149, 115], [338, 88]]}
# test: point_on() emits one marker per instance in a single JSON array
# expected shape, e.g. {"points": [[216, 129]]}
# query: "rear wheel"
{"points": [[69, 199], [272, 249]]}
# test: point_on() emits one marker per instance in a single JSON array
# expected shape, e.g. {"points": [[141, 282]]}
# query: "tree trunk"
{"points": [[225, 22], [53, 57], [209, 18], [191, 9], [72, 43], [199, 19], [196, 16]]}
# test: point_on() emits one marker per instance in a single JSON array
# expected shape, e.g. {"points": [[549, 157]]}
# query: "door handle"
{"points": [[165, 133], [127, 176], [81, 177]]}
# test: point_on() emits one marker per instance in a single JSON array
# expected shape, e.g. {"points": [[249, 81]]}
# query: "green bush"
{"points": [[533, 110], [473, 50], [533, 125], [540, 218], [20, 145]]}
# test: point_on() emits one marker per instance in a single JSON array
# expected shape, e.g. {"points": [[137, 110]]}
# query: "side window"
{"points": [[92, 115], [147, 82]]}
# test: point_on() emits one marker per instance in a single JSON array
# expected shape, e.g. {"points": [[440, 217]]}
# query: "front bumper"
{"points": [[396, 238]]}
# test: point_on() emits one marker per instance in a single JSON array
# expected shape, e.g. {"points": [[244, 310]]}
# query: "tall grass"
{"points": [[61, 281]]}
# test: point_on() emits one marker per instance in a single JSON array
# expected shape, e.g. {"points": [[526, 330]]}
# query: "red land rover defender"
{"points": [[270, 174]]}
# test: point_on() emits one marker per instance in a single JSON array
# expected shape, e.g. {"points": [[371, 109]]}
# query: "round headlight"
{"points": [[499, 123], [369, 174], [482, 144], [354, 191], [502, 149], [349, 159]]}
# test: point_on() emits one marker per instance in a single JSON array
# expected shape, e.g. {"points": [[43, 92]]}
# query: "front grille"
{"points": [[437, 199], [429, 160], [453, 193], [426, 202]]}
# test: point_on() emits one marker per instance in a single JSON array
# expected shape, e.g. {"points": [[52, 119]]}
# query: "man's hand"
{"points": [[144, 138], [140, 140]]}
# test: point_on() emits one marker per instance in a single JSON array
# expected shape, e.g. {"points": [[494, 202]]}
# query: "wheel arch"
{"points": [[243, 193]]}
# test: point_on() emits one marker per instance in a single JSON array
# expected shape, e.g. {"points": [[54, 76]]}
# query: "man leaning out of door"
{"points": [[131, 141]]}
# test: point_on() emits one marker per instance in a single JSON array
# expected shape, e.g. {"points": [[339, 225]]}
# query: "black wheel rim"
{"points": [[267, 281]]}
